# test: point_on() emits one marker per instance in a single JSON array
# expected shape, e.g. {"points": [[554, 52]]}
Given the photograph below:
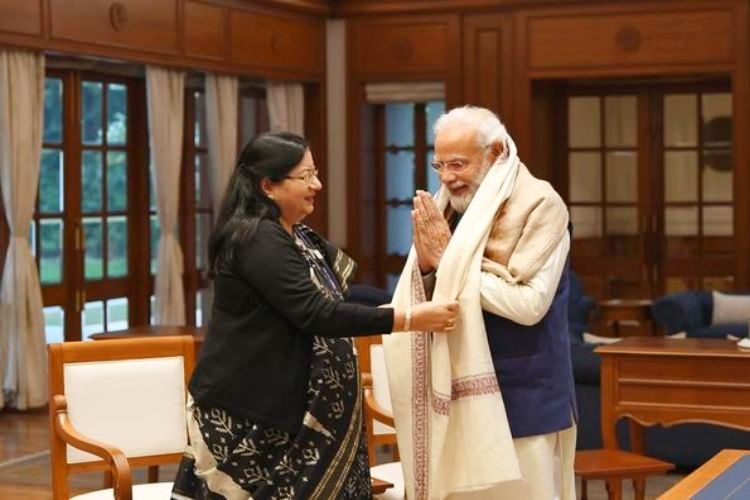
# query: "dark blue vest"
{"points": [[534, 369]]}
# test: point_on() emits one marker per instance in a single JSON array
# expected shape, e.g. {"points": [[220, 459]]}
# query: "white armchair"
{"points": [[378, 415], [118, 404]]}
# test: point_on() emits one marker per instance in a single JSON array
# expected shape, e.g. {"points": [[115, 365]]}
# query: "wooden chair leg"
{"points": [[153, 473], [614, 489], [584, 489], [639, 485]]}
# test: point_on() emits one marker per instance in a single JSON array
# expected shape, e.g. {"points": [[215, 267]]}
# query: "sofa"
{"points": [[686, 445], [693, 312]]}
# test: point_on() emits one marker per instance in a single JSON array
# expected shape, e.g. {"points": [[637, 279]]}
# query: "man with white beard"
{"points": [[523, 292]]}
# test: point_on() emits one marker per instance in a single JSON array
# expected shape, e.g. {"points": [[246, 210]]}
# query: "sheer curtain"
{"points": [[23, 359], [221, 120], [286, 107], [165, 91]]}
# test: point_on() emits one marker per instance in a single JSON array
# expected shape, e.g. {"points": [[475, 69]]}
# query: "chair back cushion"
{"points": [[380, 386], [137, 405]]}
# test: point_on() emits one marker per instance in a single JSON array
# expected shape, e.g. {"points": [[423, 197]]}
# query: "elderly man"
{"points": [[522, 287]]}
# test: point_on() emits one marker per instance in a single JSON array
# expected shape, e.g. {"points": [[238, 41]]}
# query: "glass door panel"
{"points": [[698, 200], [104, 205], [604, 194]]}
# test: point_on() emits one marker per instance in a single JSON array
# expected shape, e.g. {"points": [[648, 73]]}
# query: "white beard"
{"points": [[461, 203]]}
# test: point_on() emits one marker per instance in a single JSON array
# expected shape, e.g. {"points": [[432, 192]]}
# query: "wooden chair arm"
{"points": [[114, 457], [366, 379], [375, 410]]}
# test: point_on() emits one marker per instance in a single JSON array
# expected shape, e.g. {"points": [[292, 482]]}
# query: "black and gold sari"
{"points": [[235, 457]]}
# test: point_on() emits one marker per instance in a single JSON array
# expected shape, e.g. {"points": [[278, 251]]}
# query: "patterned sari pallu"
{"points": [[237, 458]]}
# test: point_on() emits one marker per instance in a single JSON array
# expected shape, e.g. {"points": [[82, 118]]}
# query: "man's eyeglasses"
{"points": [[454, 165], [307, 176]]}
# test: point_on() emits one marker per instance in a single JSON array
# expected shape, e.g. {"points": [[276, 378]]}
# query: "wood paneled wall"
{"points": [[284, 39], [495, 53], [392, 48], [264, 39]]}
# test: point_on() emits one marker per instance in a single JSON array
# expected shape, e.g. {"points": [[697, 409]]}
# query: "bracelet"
{"points": [[407, 319]]}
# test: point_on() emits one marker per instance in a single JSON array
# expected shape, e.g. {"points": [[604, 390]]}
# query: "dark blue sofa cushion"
{"points": [[684, 311]]}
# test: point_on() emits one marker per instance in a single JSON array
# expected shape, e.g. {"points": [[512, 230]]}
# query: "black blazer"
{"points": [[255, 361]]}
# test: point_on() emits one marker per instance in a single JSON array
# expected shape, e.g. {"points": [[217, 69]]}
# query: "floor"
{"points": [[24, 460], [24, 464]]}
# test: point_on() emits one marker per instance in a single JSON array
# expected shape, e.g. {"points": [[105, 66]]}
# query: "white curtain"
{"points": [[385, 92], [221, 121], [165, 91], [286, 107], [23, 360]]}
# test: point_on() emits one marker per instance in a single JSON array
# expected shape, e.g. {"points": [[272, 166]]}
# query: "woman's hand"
{"points": [[434, 317]]}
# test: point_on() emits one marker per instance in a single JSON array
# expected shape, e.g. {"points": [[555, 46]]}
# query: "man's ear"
{"points": [[497, 149]]}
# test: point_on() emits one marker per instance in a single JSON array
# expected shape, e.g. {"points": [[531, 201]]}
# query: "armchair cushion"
{"points": [[150, 491], [145, 397]]}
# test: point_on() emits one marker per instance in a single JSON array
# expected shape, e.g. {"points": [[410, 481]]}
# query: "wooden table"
{"points": [[659, 381], [615, 311], [198, 333], [703, 475]]}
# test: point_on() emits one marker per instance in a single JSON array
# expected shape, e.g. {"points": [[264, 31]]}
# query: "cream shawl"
{"points": [[451, 425]]}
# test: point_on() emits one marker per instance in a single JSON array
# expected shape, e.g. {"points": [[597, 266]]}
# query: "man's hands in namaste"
{"points": [[431, 232]]}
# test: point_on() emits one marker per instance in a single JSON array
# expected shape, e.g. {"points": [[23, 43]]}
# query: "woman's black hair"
{"points": [[271, 155]]}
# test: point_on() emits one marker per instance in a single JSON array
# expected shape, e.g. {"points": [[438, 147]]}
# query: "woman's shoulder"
{"points": [[268, 236]]}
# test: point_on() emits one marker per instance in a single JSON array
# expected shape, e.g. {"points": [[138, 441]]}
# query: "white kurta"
{"points": [[546, 460]]}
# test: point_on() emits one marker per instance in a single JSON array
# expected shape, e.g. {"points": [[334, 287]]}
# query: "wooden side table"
{"points": [[614, 311], [614, 466]]}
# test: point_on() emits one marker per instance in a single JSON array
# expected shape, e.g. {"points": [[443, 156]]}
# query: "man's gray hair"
{"points": [[488, 126]]}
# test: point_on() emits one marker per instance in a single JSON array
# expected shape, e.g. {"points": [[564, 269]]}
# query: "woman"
{"points": [[275, 409]]}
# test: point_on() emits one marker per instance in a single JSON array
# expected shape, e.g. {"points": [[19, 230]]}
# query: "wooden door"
{"points": [[648, 178]]}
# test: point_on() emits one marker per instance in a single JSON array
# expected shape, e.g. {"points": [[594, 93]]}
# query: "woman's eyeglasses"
{"points": [[307, 176]]}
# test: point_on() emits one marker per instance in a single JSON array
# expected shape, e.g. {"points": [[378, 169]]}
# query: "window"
{"points": [[404, 156], [87, 205], [96, 203], [196, 203], [197, 212], [649, 184]]}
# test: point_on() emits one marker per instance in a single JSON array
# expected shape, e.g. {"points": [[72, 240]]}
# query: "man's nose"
{"points": [[446, 176]]}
